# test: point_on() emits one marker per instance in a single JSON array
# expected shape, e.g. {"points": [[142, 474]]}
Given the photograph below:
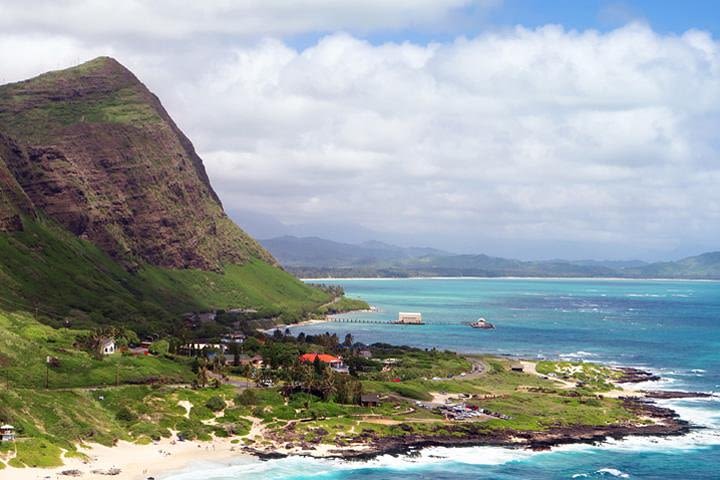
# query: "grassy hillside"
{"points": [[46, 269], [25, 343]]}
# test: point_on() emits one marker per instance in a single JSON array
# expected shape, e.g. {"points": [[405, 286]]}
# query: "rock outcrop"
{"points": [[92, 148], [14, 203]]}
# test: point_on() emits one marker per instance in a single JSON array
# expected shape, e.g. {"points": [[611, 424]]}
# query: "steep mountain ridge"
{"points": [[106, 161], [107, 216]]}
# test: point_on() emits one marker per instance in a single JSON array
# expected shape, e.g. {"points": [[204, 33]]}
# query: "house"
{"points": [[256, 361], [370, 400], [195, 319], [7, 433], [409, 318], [234, 337], [366, 354], [138, 351], [107, 346], [335, 363], [517, 367]]}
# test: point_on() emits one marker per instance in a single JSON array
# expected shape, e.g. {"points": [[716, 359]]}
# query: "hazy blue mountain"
{"points": [[706, 265], [294, 251], [317, 257]]}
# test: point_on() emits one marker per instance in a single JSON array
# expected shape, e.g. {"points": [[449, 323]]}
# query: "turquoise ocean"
{"points": [[669, 327]]}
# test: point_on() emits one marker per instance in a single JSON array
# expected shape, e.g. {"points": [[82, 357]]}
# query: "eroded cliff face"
{"points": [[14, 203], [99, 154]]}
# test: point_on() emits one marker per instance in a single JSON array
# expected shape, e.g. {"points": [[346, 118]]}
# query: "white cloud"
{"points": [[524, 136], [176, 19]]}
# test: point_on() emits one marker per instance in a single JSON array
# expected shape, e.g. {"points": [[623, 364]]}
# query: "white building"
{"points": [[7, 433], [412, 318], [107, 346]]}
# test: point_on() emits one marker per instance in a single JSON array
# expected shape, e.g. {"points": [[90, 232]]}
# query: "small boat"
{"points": [[482, 323]]}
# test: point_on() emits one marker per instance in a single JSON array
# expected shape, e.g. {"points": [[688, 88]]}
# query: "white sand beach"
{"points": [[135, 462]]}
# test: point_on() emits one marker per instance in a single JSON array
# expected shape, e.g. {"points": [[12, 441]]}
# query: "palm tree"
{"points": [[327, 384], [202, 374]]}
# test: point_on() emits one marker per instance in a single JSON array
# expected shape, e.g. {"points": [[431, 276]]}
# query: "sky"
{"points": [[517, 128]]}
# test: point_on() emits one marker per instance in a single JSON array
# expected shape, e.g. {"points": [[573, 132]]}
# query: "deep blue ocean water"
{"points": [[669, 327]]}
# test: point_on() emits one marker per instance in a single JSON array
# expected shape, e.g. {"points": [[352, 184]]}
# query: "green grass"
{"points": [[71, 279], [29, 113], [255, 284], [593, 376], [123, 106], [344, 304], [25, 344], [48, 421]]}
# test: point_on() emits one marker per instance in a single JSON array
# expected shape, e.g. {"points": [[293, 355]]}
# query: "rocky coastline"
{"points": [[660, 422]]}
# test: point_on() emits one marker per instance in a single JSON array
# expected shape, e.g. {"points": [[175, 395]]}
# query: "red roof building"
{"points": [[336, 363]]}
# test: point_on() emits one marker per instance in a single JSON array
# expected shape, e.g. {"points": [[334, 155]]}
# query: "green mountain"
{"points": [[315, 257], [705, 266], [107, 214]]}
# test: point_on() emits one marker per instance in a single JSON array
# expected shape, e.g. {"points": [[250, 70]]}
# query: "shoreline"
{"points": [[131, 461], [313, 321], [165, 457], [629, 279], [667, 424]]}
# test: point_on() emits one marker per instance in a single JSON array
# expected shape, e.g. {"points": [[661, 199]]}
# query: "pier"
{"points": [[390, 322]]}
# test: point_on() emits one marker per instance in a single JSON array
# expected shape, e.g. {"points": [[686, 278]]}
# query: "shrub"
{"points": [[216, 404], [125, 415], [246, 397]]}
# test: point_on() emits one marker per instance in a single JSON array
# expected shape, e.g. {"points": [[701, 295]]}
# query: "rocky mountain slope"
{"points": [[107, 215], [14, 203], [104, 159]]}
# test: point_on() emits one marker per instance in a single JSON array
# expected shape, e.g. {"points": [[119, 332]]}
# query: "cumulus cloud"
{"points": [[177, 19], [545, 134], [520, 137]]}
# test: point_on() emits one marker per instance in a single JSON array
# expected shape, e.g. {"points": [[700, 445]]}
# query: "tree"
{"points": [[306, 376], [251, 345], [318, 366], [235, 350], [327, 384], [160, 347], [92, 342], [202, 373]]}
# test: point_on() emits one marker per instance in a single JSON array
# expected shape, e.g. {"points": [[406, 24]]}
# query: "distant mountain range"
{"points": [[317, 257]]}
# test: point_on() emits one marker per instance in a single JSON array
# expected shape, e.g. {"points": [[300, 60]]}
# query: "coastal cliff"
{"points": [[107, 215], [104, 159]]}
